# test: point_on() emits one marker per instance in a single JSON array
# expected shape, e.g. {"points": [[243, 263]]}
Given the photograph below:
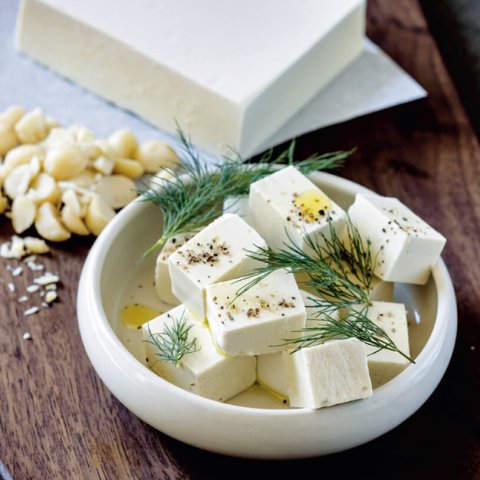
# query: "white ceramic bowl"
{"points": [[240, 430]]}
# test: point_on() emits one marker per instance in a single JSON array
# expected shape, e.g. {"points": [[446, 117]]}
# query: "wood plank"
{"points": [[58, 421]]}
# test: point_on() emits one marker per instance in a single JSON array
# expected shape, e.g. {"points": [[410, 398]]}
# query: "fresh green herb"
{"points": [[193, 196], [173, 342], [355, 324], [340, 272]]}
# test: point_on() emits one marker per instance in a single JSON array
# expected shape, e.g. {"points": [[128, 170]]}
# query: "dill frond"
{"points": [[340, 272], [173, 342], [193, 196]]}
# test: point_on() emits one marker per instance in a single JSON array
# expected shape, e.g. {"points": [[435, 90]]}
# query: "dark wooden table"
{"points": [[58, 421]]}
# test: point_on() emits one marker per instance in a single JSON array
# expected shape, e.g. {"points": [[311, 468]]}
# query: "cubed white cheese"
{"points": [[271, 371], [406, 247], [385, 364], [238, 205], [259, 320], [206, 372], [216, 253], [163, 284], [328, 374], [230, 73], [287, 205]]}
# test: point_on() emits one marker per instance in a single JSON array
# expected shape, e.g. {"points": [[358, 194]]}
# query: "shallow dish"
{"points": [[251, 425]]}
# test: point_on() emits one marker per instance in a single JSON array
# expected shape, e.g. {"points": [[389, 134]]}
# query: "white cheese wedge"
{"points": [[385, 364], [271, 371], [406, 247], [328, 374], [216, 253], [206, 372], [163, 285], [259, 320], [237, 205], [287, 206], [230, 73]]}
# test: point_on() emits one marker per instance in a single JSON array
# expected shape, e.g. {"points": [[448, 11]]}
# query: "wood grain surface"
{"points": [[58, 421]]}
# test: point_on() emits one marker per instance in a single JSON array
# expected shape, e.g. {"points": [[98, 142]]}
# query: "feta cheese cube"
{"points": [[287, 205], [407, 247], [271, 371], [258, 321], [163, 284], [328, 374], [206, 372], [216, 253], [238, 205], [385, 364]]}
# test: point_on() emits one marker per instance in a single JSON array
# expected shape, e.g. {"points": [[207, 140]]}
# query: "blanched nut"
{"points": [[44, 188], [3, 204], [104, 165], [116, 190], [84, 179], [49, 225], [124, 143], [81, 134], [36, 245], [155, 155], [18, 181], [73, 222], [105, 148], [59, 136], [71, 200], [99, 213], [19, 156], [64, 162], [129, 168], [12, 115], [8, 138], [90, 149], [35, 166], [23, 214], [51, 123], [32, 127]]}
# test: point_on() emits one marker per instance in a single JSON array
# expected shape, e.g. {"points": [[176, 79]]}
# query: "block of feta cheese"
{"points": [[206, 372], [327, 374], [287, 205], [230, 73], [238, 205], [406, 247], [216, 253], [163, 285], [260, 319], [271, 371], [385, 364]]}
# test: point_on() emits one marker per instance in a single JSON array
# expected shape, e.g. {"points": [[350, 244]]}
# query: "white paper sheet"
{"points": [[372, 82]]}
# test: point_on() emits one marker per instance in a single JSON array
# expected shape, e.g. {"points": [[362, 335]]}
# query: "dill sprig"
{"points": [[340, 272], [173, 342], [354, 324], [193, 196]]}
